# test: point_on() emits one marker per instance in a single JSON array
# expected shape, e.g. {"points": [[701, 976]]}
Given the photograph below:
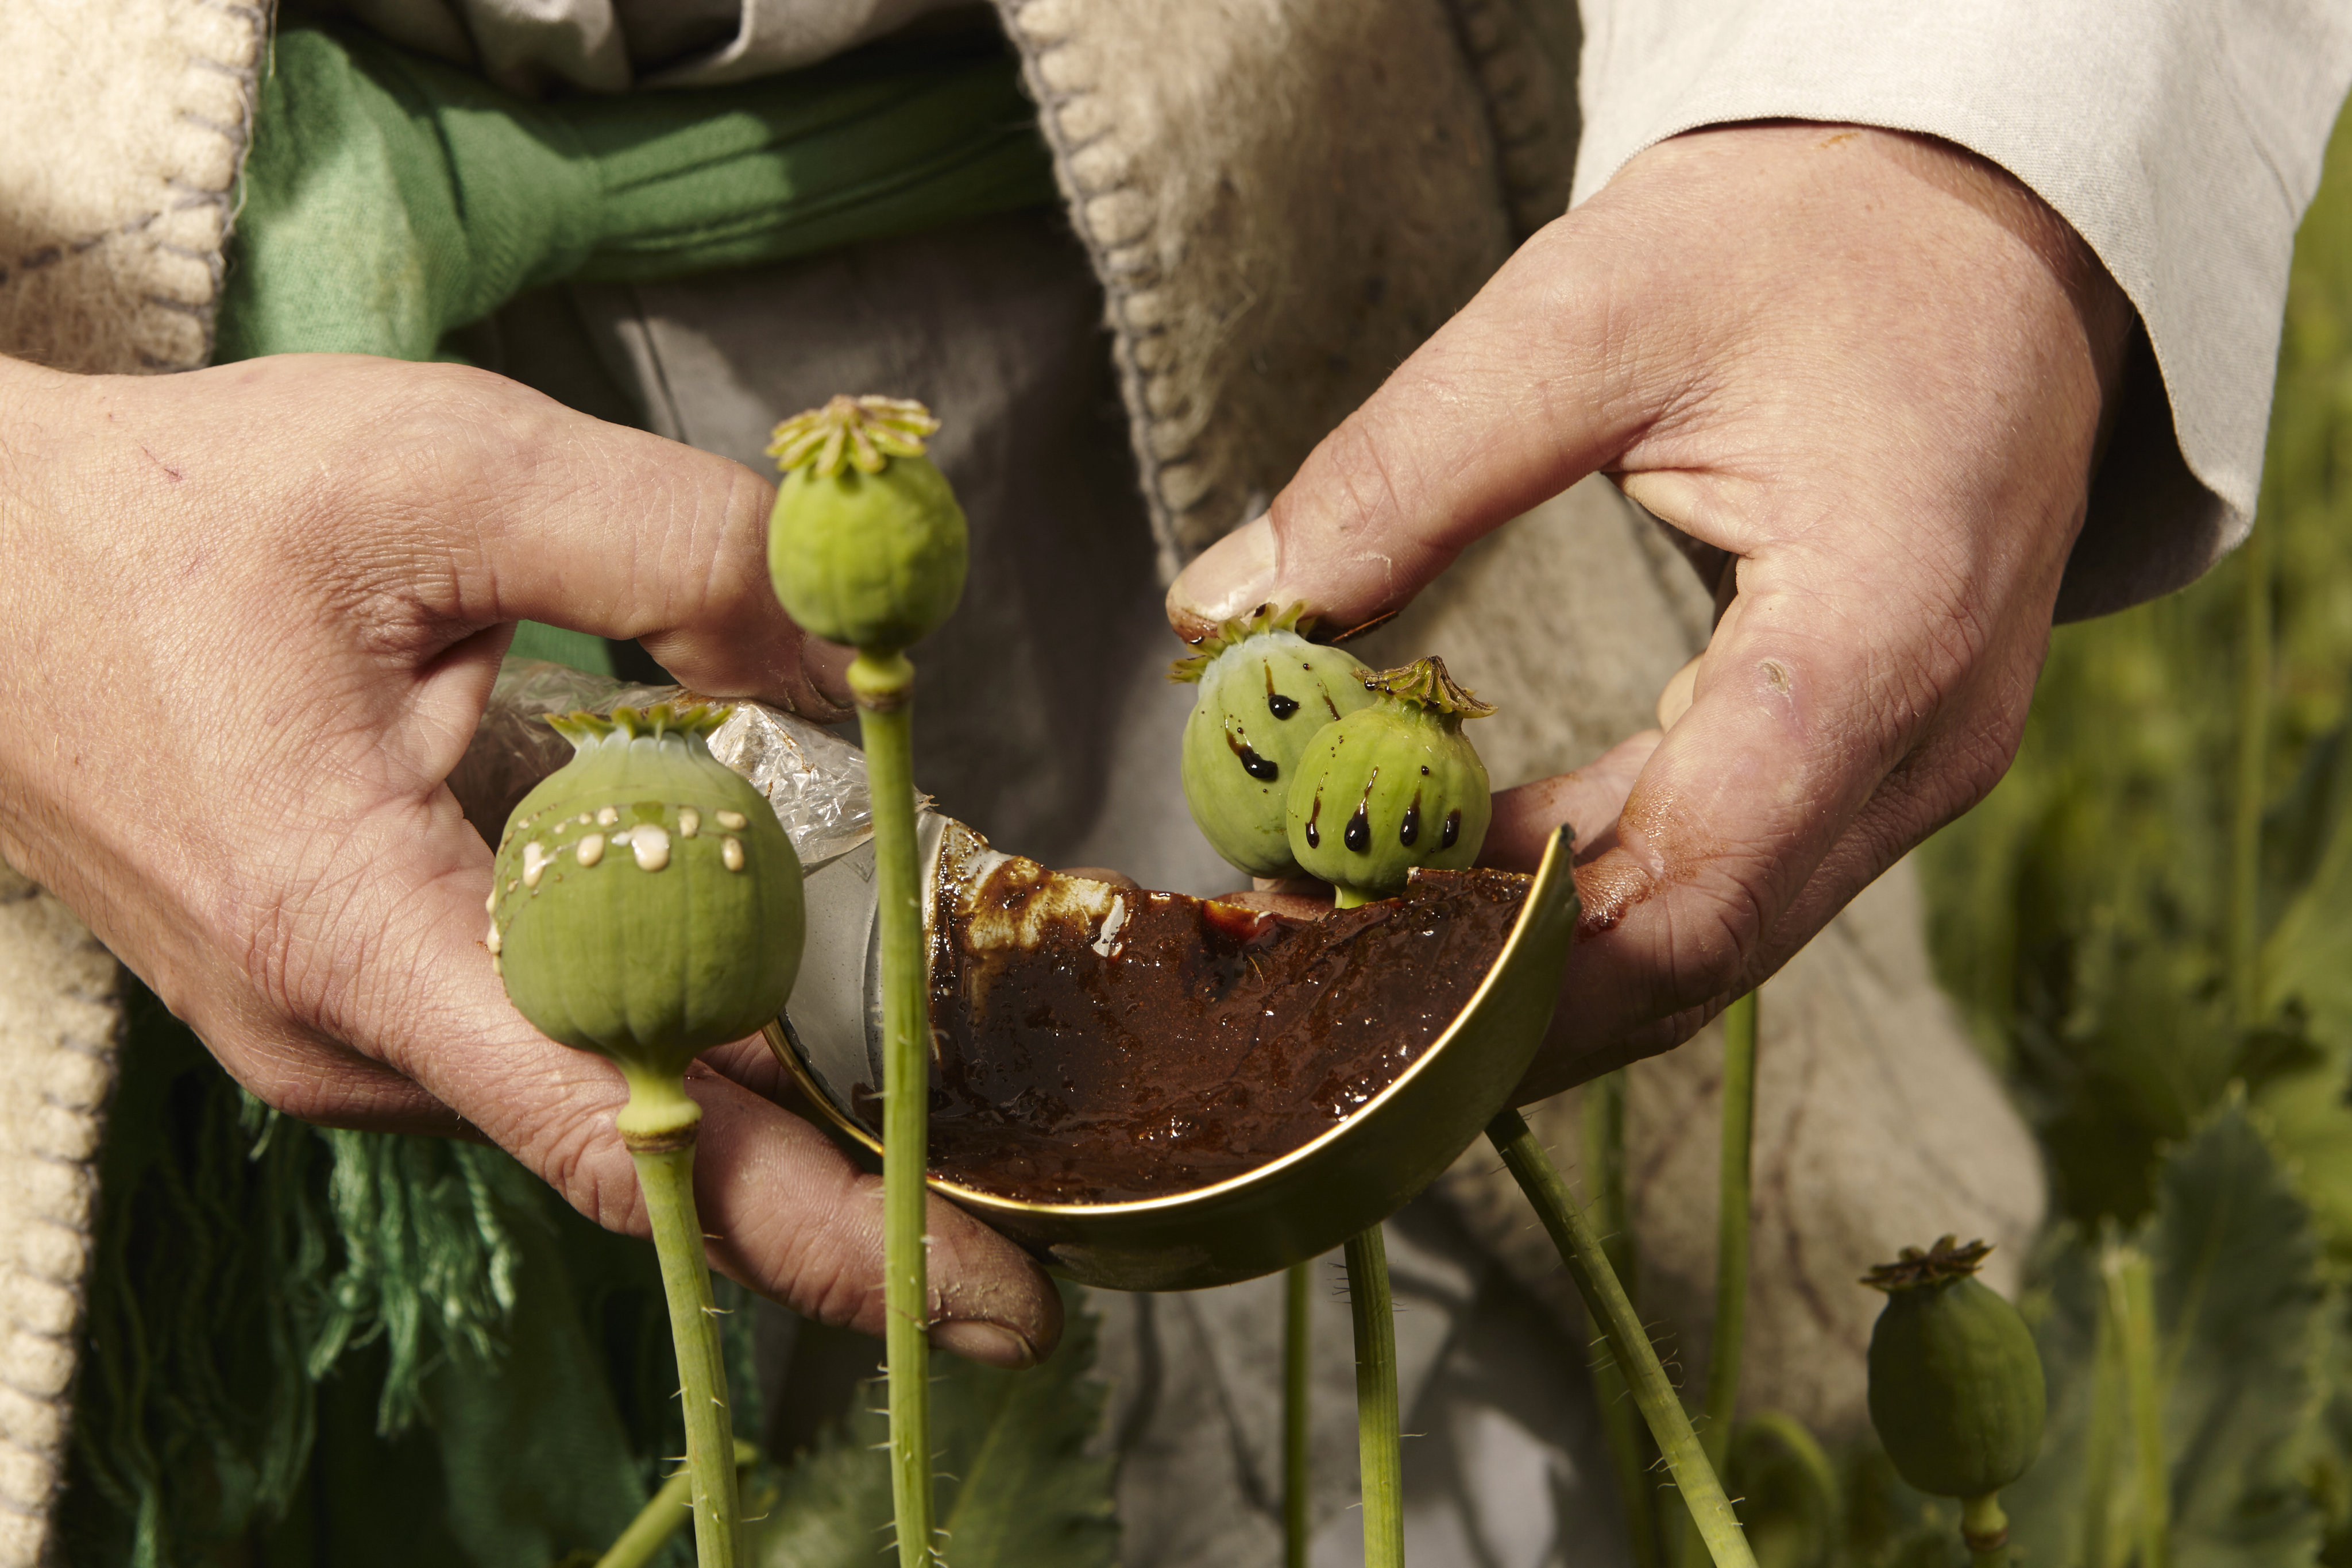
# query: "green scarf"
{"points": [[390, 199]]}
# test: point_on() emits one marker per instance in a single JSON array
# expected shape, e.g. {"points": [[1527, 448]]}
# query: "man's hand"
{"points": [[1868, 366], [248, 620]]}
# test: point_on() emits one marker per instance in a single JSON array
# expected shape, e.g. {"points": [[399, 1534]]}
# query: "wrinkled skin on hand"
{"points": [[250, 619], [1870, 367]]}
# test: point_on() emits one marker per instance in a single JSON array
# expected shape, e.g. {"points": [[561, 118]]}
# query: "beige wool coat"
{"points": [[1267, 249]]}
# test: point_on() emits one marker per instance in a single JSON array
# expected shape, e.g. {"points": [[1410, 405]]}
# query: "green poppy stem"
{"points": [[2102, 1438], [884, 686], [2244, 914], [670, 1506], [2131, 1300], [1985, 1528], [658, 1126], [1817, 1476], [1731, 1236], [1588, 1264], [1630, 1453], [1732, 1227], [1379, 1445], [1296, 1500]]}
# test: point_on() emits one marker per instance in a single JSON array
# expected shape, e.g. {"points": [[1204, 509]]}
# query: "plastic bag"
{"points": [[815, 780]]}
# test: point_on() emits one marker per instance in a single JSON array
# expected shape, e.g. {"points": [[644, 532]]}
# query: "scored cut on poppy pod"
{"points": [[1265, 692], [1393, 786], [618, 925]]}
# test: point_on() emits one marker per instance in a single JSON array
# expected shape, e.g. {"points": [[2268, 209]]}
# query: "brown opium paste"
{"points": [[1097, 1044]]}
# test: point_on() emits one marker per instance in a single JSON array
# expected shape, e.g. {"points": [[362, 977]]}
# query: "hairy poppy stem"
{"points": [[659, 1126], [1588, 1264], [884, 686], [2131, 1303], [1725, 1345], [1732, 1226], [669, 1507], [1379, 1445], [1297, 1510], [1631, 1456]]}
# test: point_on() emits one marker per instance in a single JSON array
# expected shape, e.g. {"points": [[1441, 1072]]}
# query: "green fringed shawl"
{"points": [[389, 199], [307, 1346]]}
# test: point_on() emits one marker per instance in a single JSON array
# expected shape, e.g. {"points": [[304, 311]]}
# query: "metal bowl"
{"points": [[1292, 1208]]}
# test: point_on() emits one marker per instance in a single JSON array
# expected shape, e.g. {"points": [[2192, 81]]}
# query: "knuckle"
{"points": [[1979, 763], [571, 1147], [311, 1081], [1713, 929], [832, 1269], [300, 951], [1953, 774], [1954, 642], [725, 536], [282, 1076], [1362, 476], [838, 1296]]}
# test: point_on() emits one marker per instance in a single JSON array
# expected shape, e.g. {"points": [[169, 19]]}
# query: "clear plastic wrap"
{"points": [[814, 779]]}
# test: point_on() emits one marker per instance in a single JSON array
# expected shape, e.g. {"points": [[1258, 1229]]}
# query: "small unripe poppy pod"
{"points": [[648, 902], [1266, 692], [866, 545], [1391, 786], [1955, 1386]]}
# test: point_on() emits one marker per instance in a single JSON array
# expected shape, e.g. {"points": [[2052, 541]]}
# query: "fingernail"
{"points": [[991, 1344], [1235, 576]]}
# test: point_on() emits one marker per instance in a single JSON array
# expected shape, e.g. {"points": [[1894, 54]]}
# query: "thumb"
{"points": [[1536, 384], [624, 534], [426, 504]]}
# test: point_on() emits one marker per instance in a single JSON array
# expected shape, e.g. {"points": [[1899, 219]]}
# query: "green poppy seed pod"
{"points": [[648, 902], [1266, 692], [866, 545], [1956, 1388], [1391, 786]]}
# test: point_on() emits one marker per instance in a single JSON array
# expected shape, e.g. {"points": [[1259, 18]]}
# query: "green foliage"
{"points": [[2240, 1307], [306, 1345], [2159, 959], [2306, 976], [2243, 1320], [2082, 914], [1019, 1482], [1791, 1502]]}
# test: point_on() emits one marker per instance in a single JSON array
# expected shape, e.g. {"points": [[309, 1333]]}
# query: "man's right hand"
{"points": [[248, 621], [1872, 368]]}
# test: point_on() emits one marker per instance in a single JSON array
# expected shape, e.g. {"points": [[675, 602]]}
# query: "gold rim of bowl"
{"points": [[1545, 891]]}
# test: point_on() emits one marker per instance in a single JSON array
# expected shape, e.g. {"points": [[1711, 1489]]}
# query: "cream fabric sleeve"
{"points": [[2181, 138]]}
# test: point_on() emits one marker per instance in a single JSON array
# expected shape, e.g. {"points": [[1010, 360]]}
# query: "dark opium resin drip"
{"points": [[1098, 1045]]}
